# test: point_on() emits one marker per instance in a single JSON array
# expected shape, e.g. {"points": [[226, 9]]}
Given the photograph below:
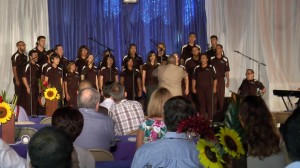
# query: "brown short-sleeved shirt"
{"points": [[64, 63], [80, 63], [54, 77], [221, 65], [42, 56], [90, 74], [44, 68], [162, 59], [186, 51], [128, 79], [249, 87], [150, 79], [108, 74], [35, 74], [204, 76], [137, 61], [72, 80], [19, 60]]}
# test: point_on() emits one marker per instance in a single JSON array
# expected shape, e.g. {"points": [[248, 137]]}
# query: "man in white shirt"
{"points": [[108, 101], [9, 158]]}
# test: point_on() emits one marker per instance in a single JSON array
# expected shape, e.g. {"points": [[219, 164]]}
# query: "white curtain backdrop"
{"points": [[266, 30], [20, 20]]}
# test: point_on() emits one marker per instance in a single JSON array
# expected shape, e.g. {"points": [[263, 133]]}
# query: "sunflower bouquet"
{"points": [[50, 93], [215, 150], [6, 109]]}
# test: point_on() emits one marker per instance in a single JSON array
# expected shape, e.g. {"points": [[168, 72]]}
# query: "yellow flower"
{"points": [[57, 96], [5, 112], [208, 155], [231, 142], [50, 93]]}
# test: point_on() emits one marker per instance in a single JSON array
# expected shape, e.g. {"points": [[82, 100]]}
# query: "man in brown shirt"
{"points": [[204, 84], [221, 65], [137, 60], [31, 75], [18, 61], [54, 74], [40, 48], [170, 77], [63, 63], [186, 50], [190, 65]]}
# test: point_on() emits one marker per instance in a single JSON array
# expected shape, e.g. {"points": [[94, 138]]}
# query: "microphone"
{"points": [[236, 51]]}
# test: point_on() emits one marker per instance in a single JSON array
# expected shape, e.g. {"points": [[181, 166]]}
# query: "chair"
{"points": [[101, 155], [20, 131], [133, 132], [46, 120]]}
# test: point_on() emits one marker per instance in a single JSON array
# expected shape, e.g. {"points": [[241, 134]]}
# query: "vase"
{"points": [[51, 106], [8, 131]]}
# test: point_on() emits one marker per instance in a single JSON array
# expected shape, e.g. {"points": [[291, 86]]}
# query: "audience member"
{"points": [[50, 147], [98, 129], [153, 127], [127, 114], [108, 101], [291, 136], [174, 149], [70, 121], [9, 158], [261, 134], [84, 84]]}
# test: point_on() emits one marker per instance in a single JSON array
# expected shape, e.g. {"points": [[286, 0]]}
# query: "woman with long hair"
{"points": [[149, 82], [71, 82], [82, 55], [108, 72], [261, 134], [89, 72], [153, 127]]}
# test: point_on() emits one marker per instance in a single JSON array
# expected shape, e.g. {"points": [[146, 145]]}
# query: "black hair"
{"points": [[106, 88], [177, 109], [49, 52], [132, 45], [291, 135], [54, 55], [149, 55], [39, 38], [32, 52], [50, 147], [192, 33], [220, 45], [69, 120], [104, 61], [214, 36], [80, 49], [56, 46]]}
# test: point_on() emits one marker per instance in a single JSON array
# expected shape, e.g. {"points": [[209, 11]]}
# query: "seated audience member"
{"points": [[174, 149], [261, 134], [70, 121], [98, 129], [84, 84], [291, 136], [153, 127], [108, 101], [50, 147], [9, 158], [127, 114]]}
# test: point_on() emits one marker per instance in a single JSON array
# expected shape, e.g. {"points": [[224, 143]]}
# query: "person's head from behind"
{"points": [[84, 84], [172, 59], [291, 135], [249, 74], [88, 98], [50, 147], [69, 120], [106, 89], [157, 101], [177, 109], [117, 92], [261, 133]]}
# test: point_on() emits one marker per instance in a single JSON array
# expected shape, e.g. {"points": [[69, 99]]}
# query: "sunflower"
{"points": [[57, 96], [208, 155], [5, 112], [231, 142], [50, 93]]}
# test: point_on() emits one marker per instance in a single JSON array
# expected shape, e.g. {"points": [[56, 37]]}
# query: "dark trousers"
{"points": [[205, 97], [220, 94], [34, 100], [20, 91]]}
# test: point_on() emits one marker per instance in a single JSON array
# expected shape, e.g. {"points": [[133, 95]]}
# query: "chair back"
{"points": [[101, 155], [133, 132], [20, 131], [47, 120]]}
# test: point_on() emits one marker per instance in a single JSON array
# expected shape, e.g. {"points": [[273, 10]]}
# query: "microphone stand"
{"points": [[259, 63]]}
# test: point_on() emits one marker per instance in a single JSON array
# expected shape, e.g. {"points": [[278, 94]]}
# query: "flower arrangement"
{"points": [[6, 109], [50, 93], [215, 150]]}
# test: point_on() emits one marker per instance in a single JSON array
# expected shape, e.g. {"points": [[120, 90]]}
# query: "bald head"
{"points": [[84, 84], [172, 59], [88, 98]]}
